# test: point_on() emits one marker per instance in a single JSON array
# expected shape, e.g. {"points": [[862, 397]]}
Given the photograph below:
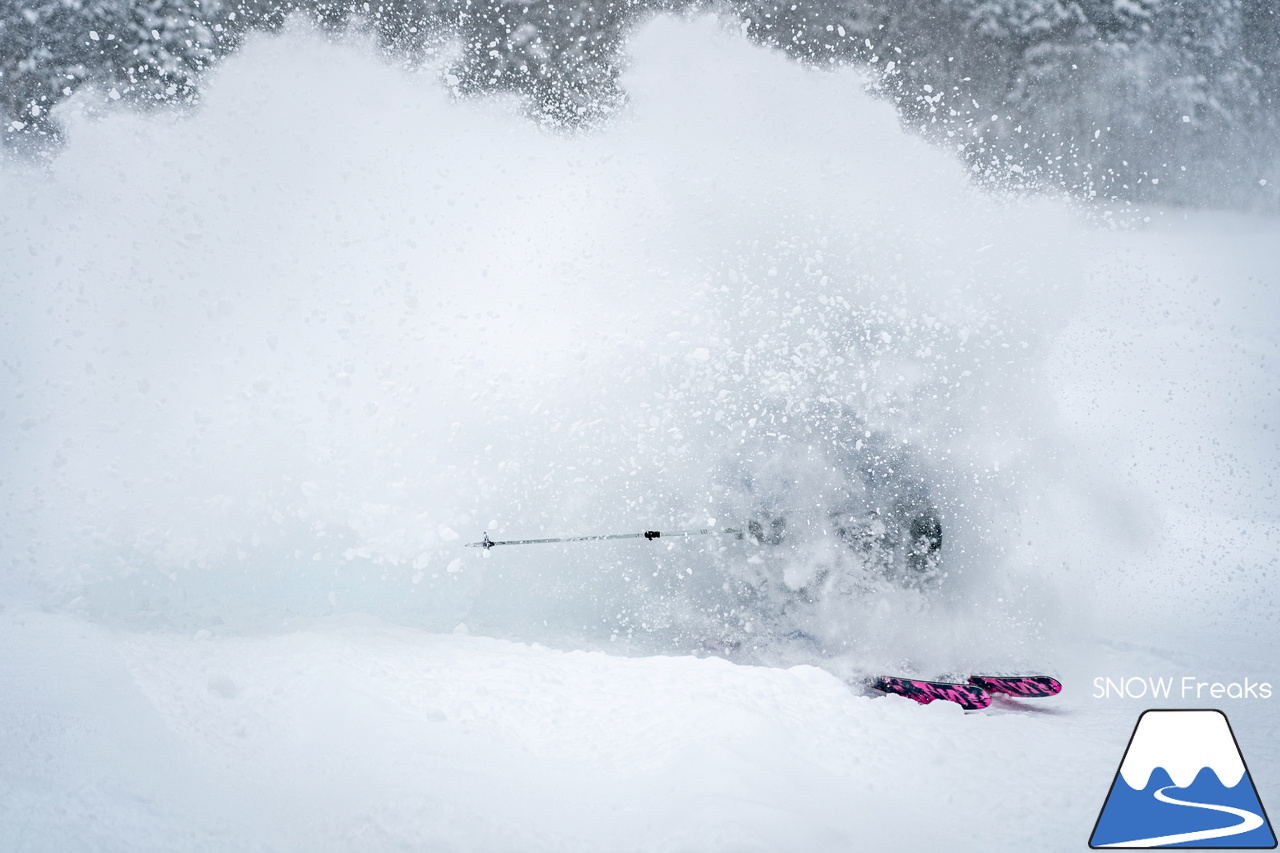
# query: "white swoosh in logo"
{"points": [[1249, 821]]}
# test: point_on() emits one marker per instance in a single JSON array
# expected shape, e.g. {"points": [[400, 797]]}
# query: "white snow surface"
{"points": [[358, 735], [1183, 743], [268, 365]]}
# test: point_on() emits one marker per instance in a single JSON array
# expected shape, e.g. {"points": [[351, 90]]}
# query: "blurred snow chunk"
{"points": [[222, 685]]}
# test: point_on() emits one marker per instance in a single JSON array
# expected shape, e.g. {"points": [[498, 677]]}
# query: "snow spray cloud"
{"points": [[287, 353]]}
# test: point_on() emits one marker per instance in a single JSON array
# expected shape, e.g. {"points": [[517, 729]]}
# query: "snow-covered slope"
{"points": [[366, 736]]}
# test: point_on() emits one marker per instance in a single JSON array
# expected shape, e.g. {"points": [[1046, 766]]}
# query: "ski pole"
{"points": [[487, 543]]}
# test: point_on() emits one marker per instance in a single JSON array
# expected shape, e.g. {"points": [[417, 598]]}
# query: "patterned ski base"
{"points": [[1027, 686], [967, 696]]}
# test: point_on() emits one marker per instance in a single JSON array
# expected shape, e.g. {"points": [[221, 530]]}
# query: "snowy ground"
{"points": [[178, 706], [373, 737]]}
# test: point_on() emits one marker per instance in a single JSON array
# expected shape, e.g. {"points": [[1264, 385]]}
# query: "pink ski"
{"points": [[967, 696], [1027, 686]]}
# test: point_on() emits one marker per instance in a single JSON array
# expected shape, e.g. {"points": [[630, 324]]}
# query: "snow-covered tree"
{"points": [[1177, 100]]}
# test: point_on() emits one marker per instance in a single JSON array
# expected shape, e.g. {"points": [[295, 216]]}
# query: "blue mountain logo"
{"points": [[1183, 783]]}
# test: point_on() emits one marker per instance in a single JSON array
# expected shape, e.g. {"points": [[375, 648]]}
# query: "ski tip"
{"points": [[968, 696], [1025, 686]]}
